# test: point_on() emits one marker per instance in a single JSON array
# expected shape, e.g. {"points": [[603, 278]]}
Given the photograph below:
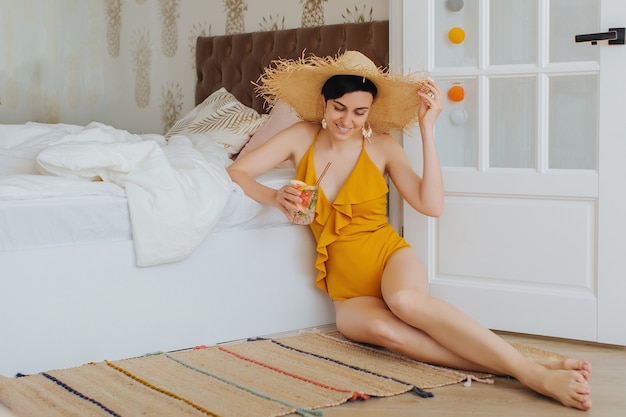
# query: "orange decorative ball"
{"points": [[456, 35], [456, 93]]}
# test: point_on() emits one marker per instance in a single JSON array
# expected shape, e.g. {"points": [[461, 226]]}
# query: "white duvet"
{"points": [[176, 192]]}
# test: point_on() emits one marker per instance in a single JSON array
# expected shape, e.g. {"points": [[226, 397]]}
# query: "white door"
{"points": [[533, 147]]}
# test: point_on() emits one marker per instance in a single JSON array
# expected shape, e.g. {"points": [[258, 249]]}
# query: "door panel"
{"points": [[512, 122], [573, 97], [512, 252]]}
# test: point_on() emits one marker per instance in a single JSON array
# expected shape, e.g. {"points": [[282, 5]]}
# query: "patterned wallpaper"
{"points": [[130, 63]]}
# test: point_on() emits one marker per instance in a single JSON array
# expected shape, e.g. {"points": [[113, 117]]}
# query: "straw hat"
{"points": [[299, 83]]}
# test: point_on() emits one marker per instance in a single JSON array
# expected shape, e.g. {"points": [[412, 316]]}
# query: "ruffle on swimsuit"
{"points": [[346, 228]]}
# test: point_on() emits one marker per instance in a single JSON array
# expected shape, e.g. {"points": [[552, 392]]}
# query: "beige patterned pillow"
{"points": [[222, 119]]}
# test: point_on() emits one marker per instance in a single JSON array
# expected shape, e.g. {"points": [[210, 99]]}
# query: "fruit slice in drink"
{"points": [[304, 212]]}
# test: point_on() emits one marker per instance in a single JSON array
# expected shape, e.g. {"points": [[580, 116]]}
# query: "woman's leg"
{"points": [[404, 288], [369, 320]]}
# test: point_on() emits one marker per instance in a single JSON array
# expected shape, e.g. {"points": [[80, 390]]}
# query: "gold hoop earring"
{"points": [[324, 124], [366, 131]]}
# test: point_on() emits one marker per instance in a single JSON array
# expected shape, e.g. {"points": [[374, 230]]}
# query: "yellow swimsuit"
{"points": [[354, 237]]}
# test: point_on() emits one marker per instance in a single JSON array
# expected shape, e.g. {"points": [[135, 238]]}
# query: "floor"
{"points": [[507, 397]]}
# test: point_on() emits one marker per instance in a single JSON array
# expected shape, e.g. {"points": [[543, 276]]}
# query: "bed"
{"points": [[110, 266]]}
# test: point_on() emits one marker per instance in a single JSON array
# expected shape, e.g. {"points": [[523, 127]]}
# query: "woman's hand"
{"points": [[286, 199], [431, 104]]}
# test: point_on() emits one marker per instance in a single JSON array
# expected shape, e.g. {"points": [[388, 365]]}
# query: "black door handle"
{"points": [[615, 36]]}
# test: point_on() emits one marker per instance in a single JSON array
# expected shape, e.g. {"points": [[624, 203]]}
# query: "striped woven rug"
{"points": [[262, 377]]}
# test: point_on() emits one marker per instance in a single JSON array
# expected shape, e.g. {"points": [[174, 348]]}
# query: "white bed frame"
{"points": [[65, 306]]}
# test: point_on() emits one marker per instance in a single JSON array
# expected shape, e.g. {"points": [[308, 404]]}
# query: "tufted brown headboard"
{"points": [[235, 61]]}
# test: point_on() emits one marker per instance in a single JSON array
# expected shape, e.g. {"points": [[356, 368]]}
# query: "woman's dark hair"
{"points": [[338, 85]]}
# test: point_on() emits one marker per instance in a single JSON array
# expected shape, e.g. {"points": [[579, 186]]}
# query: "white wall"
{"points": [[130, 63]]}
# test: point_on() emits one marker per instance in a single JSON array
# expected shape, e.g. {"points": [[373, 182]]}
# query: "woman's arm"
{"points": [[290, 143], [425, 193]]}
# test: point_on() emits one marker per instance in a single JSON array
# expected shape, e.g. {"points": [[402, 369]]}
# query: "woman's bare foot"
{"points": [[568, 386], [568, 364]]}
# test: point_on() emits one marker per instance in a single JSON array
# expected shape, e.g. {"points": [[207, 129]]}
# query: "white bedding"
{"points": [[64, 221], [36, 223], [173, 193]]}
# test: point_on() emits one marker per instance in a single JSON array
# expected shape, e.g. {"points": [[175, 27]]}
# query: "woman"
{"points": [[375, 279]]}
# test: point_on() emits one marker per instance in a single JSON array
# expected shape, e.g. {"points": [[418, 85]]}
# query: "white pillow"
{"points": [[220, 118]]}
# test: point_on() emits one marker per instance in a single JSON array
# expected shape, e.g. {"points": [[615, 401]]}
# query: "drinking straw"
{"points": [[323, 173]]}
